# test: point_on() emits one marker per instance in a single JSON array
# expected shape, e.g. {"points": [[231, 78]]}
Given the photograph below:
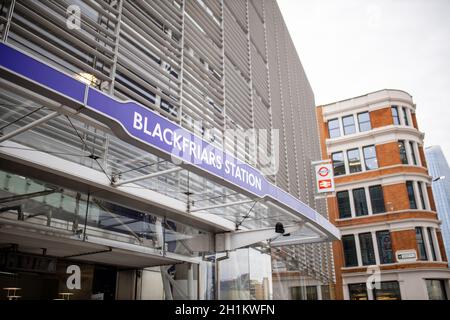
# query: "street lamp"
{"points": [[438, 178]]}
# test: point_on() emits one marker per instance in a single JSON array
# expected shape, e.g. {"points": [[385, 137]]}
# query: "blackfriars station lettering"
{"points": [[188, 146]]}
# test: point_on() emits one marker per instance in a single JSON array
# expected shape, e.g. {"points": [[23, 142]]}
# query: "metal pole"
{"points": [[223, 205], [147, 176], [190, 281], [86, 216]]}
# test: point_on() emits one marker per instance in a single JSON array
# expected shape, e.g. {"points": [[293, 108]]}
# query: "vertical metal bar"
{"points": [[250, 83], [182, 59], [164, 236], [86, 216], [190, 281], [116, 49]]}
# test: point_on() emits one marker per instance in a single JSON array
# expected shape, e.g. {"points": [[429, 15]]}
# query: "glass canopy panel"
{"points": [[92, 145]]}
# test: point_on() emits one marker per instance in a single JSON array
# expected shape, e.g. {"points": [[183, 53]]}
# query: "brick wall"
{"points": [[431, 197], [403, 240], [414, 120], [323, 132], [338, 255], [396, 197], [388, 154], [441, 245], [422, 157], [381, 117]]}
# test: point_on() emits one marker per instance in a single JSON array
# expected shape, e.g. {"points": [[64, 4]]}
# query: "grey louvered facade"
{"points": [[209, 65]]}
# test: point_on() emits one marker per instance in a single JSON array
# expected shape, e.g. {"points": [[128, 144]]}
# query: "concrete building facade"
{"points": [[383, 202]]}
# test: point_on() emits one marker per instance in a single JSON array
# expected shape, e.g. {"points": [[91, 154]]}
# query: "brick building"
{"points": [[383, 203]]}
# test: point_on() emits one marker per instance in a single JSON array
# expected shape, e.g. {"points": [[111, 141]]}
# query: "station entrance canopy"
{"points": [[234, 188]]}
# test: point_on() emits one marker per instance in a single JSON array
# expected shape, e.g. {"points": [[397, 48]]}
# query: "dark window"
{"points": [[402, 150], [304, 293], [395, 117], [354, 160], [411, 196], [296, 293], [349, 124], [326, 294], [367, 252], [370, 157], [359, 199], [364, 121], [338, 163], [343, 204], [377, 199], [436, 289], [405, 116], [413, 153], [358, 291], [422, 198], [311, 293], [385, 246], [430, 238], [350, 257], [333, 128], [421, 244], [389, 290]]}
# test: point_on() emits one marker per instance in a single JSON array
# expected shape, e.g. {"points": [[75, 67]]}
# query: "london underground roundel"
{"points": [[324, 178]]}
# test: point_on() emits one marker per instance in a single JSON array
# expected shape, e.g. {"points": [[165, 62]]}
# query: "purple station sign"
{"points": [[141, 126]]}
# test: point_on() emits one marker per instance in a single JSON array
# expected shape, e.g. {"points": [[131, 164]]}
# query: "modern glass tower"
{"points": [[440, 171], [115, 118]]}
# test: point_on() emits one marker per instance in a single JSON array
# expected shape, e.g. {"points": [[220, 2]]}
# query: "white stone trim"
{"points": [[372, 101], [417, 199], [375, 136], [396, 225], [428, 247], [385, 180], [375, 248], [352, 203]]}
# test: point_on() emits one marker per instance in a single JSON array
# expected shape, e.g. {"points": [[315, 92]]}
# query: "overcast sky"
{"points": [[352, 47]]}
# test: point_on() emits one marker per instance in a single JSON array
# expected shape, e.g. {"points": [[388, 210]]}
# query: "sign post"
{"points": [[324, 178]]}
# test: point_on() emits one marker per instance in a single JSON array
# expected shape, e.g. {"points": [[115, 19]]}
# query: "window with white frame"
{"points": [[333, 128], [366, 251], [364, 121], [354, 160], [421, 246], [360, 198], [395, 115], [402, 150], [360, 202], [338, 163], [366, 247], [348, 123], [405, 116], [370, 157], [431, 241], [412, 152], [411, 195]]}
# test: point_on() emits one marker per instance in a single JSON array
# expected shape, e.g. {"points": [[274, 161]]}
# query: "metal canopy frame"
{"points": [[233, 206]]}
